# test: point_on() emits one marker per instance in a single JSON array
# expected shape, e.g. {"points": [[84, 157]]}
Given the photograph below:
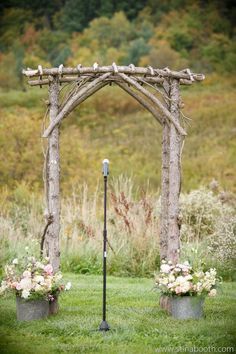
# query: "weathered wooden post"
{"points": [[165, 180], [175, 140], [53, 179]]}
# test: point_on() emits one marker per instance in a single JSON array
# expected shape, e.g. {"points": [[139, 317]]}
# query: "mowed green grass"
{"points": [[138, 325]]}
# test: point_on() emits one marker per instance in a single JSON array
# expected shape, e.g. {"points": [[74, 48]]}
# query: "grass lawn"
{"points": [[138, 325]]}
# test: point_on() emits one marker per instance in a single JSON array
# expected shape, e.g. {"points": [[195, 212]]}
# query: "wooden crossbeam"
{"points": [[185, 74], [113, 78]]}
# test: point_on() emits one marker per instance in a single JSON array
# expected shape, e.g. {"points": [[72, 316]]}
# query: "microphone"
{"points": [[105, 167]]}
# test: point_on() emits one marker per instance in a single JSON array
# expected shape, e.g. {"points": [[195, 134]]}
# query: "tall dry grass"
{"points": [[207, 233], [133, 228]]}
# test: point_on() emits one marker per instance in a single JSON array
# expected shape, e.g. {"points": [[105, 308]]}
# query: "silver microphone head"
{"points": [[105, 167]]}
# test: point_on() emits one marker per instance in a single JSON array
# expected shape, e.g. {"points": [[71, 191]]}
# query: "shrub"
{"points": [[200, 209]]}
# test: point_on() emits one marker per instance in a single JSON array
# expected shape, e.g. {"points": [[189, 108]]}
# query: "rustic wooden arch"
{"points": [[166, 110]]}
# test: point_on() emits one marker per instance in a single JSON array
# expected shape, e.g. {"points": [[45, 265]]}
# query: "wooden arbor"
{"points": [[155, 89]]}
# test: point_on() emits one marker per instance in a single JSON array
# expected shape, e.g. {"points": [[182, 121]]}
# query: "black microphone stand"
{"points": [[104, 325]]}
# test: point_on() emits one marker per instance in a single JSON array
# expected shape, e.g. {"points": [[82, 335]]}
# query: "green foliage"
{"points": [[201, 209], [137, 49], [76, 15], [170, 33], [12, 26]]}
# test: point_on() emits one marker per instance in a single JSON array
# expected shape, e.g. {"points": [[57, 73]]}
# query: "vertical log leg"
{"points": [[174, 177], [53, 168], [164, 300], [164, 192], [165, 182]]}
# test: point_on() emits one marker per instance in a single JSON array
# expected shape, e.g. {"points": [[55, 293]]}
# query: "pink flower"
{"points": [[48, 269], [14, 285], [50, 297], [18, 286], [178, 289]]}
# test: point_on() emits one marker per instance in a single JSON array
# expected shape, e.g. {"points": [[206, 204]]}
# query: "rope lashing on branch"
{"points": [[95, 66], [60, 71], [115, 69], [151, 70], [79, 66], [40, 70], [132, 67], [190, 74]]}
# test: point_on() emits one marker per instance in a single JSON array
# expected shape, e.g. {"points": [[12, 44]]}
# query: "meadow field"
{"points": [[138, 325]]}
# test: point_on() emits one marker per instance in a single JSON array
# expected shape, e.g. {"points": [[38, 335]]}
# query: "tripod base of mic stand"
{"points": [[104, 326]]}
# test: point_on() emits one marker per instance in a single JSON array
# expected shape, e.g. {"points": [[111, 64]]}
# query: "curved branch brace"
{"points": [[84, 93], [142, 101], [153, 98]]}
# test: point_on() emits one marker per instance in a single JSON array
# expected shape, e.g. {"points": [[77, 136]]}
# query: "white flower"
{"points": [[212, 293], [3, 287], [68, 286], [171, 278], [27, 274], [164, 281], [25, 294], [15, 261], [186, 263], [177, 269], [180, 279], [165, 268], [27, 248], [38, 279], [39, 265], [185, 287], [58, 276], [38, 287]]}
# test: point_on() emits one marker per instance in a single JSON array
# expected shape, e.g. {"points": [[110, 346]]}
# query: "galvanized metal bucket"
{"points": [[28, 310], [187, 307]]}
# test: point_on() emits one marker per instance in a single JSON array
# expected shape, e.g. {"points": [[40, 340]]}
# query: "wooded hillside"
{"points": [[174, 33]]}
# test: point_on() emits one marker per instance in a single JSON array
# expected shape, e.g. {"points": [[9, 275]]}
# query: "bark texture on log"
{"points": [[121, 69], [52, 238], [114, 78], [174, 176], [165, 182]]}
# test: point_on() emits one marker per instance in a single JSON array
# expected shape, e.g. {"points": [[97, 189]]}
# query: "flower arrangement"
{"points": [[183, 280], [31, 279]]}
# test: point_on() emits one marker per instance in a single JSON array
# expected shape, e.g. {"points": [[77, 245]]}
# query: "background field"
{"points": [[174, 33]]}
